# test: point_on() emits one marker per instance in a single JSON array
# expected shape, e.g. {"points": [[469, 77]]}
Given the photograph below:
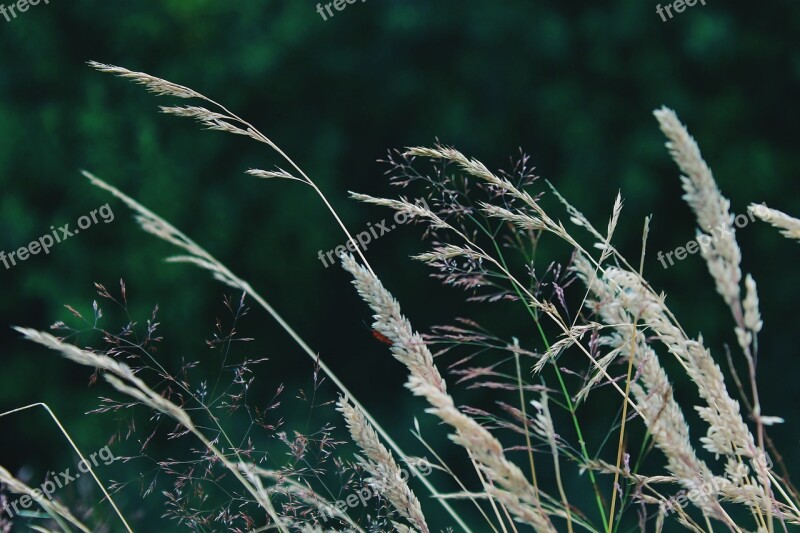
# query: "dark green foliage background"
{"points": [[573, 84]]}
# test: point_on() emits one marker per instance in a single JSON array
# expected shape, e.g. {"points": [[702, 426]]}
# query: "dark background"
{"points": [[572, 84]]}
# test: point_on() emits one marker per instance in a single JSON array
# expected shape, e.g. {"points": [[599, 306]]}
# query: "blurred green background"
{"points": [[573, 84]]}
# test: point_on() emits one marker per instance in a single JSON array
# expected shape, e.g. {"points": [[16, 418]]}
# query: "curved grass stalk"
{"points": [[225, 121], [77, 450]]}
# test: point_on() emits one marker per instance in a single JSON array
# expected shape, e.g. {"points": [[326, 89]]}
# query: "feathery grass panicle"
{"points": [[752, 316], [443, 254], [702, 193], [597, 374], [727, 435], [139, 390], [408, 347], [661, 413], [521, 220], [279, 173], [723, 257], [712, 209], [76, 355], [157, 226], [569, 339], [211, 120], [424, 380], [221, 120], [154, 84], [410, 209], [537, 218], [154, 401], [471, 166], [607, 250], [386, 477], [789, 226]]}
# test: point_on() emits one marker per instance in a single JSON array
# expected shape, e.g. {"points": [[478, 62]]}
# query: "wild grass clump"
{"points": [[597, 332]]}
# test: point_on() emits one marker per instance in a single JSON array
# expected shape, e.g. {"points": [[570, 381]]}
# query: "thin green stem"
{"points": [[628, 486], [581, 440], [621, 444], [565, 392]]}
